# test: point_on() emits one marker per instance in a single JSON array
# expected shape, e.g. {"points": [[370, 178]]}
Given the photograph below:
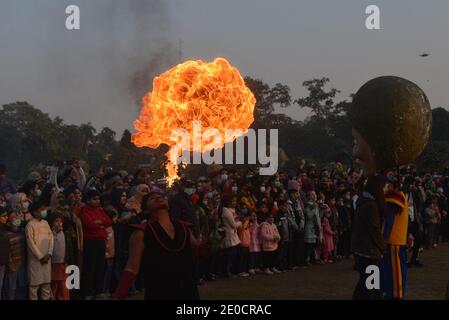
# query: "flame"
{"points": [[213, 93]]}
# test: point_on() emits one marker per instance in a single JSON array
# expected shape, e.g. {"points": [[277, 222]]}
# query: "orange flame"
{"points": [[213, 93]]}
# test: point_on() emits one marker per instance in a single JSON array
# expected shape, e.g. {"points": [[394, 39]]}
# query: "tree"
{"points": [[267, 99], [321, 102], [125, 141]]}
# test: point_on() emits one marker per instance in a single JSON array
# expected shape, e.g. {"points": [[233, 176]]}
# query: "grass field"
{"points": [[331, 281]]}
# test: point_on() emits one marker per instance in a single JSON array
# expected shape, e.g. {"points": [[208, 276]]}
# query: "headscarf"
{"points": [[116, 196], [135, 202]]}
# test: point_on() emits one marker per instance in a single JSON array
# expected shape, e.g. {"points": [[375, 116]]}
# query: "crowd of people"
{"points": [[243, 223]]}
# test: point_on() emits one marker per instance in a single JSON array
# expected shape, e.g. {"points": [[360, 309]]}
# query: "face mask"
{"points": [[44, 214], [210, 195], [277, 184], [244, 211], [205, 202], [224, 177], [262, 189], [235, 189], [16, 223], [189, 191], [25, 205], [38, 193]]}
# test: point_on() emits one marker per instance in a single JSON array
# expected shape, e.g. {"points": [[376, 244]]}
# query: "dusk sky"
{"points": [[87, 75]]}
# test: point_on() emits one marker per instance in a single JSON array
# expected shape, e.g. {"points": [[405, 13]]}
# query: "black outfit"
{"points": [[344, 243], [94, 253], [169, 264], [181, 208], [416, 227], [367, 243]]}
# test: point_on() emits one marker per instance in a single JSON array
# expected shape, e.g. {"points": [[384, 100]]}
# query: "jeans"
{"points": [[231, 257], [255, 260], [244, 253], [282, 256], [15, 284], [310, 252], [269, 259]]}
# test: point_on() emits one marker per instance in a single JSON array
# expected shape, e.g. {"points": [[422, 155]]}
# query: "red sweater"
{"points": [[92, 230]]}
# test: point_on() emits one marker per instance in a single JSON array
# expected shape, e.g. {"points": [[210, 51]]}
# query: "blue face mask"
{"points": [[38, 193], [277, 184], [244, 211], [44, 214], [235, 189], [210, 195], [189, 191], [25, 205]]}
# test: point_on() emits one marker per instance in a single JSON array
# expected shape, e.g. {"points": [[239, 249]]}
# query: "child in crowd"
{"points": [[58, 260], [110, 252], [40, 248], [270, 238], [245, 241], [95, 222], [328, 234], [255, 257]]}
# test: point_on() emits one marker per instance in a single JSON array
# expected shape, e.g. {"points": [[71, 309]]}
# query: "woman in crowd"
{"points": [[15, 282], [270, 238], [312, 227], [135, 202], [231, 239]]}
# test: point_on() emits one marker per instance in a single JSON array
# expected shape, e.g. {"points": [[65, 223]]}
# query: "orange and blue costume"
{"points": [[393, 266]]}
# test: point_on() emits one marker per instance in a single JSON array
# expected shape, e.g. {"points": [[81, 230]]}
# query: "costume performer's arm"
{"points": [[136, 246]]}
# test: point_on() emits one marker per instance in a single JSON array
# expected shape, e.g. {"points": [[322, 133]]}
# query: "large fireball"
{"points": [[213, 93]]}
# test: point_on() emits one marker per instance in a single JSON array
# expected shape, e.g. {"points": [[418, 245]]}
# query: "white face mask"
{"points": [[25, 205]]}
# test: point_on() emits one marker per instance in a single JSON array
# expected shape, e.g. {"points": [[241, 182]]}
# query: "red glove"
{"points": [[126, 282]]}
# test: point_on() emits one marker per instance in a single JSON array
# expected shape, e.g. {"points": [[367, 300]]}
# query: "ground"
{"points": [[332, 281]]}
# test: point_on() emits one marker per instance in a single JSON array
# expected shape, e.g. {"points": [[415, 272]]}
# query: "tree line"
{"points": [[30, 139]]}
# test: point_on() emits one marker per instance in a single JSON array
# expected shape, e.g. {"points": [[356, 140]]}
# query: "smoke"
{"points": [[97, 74]]}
